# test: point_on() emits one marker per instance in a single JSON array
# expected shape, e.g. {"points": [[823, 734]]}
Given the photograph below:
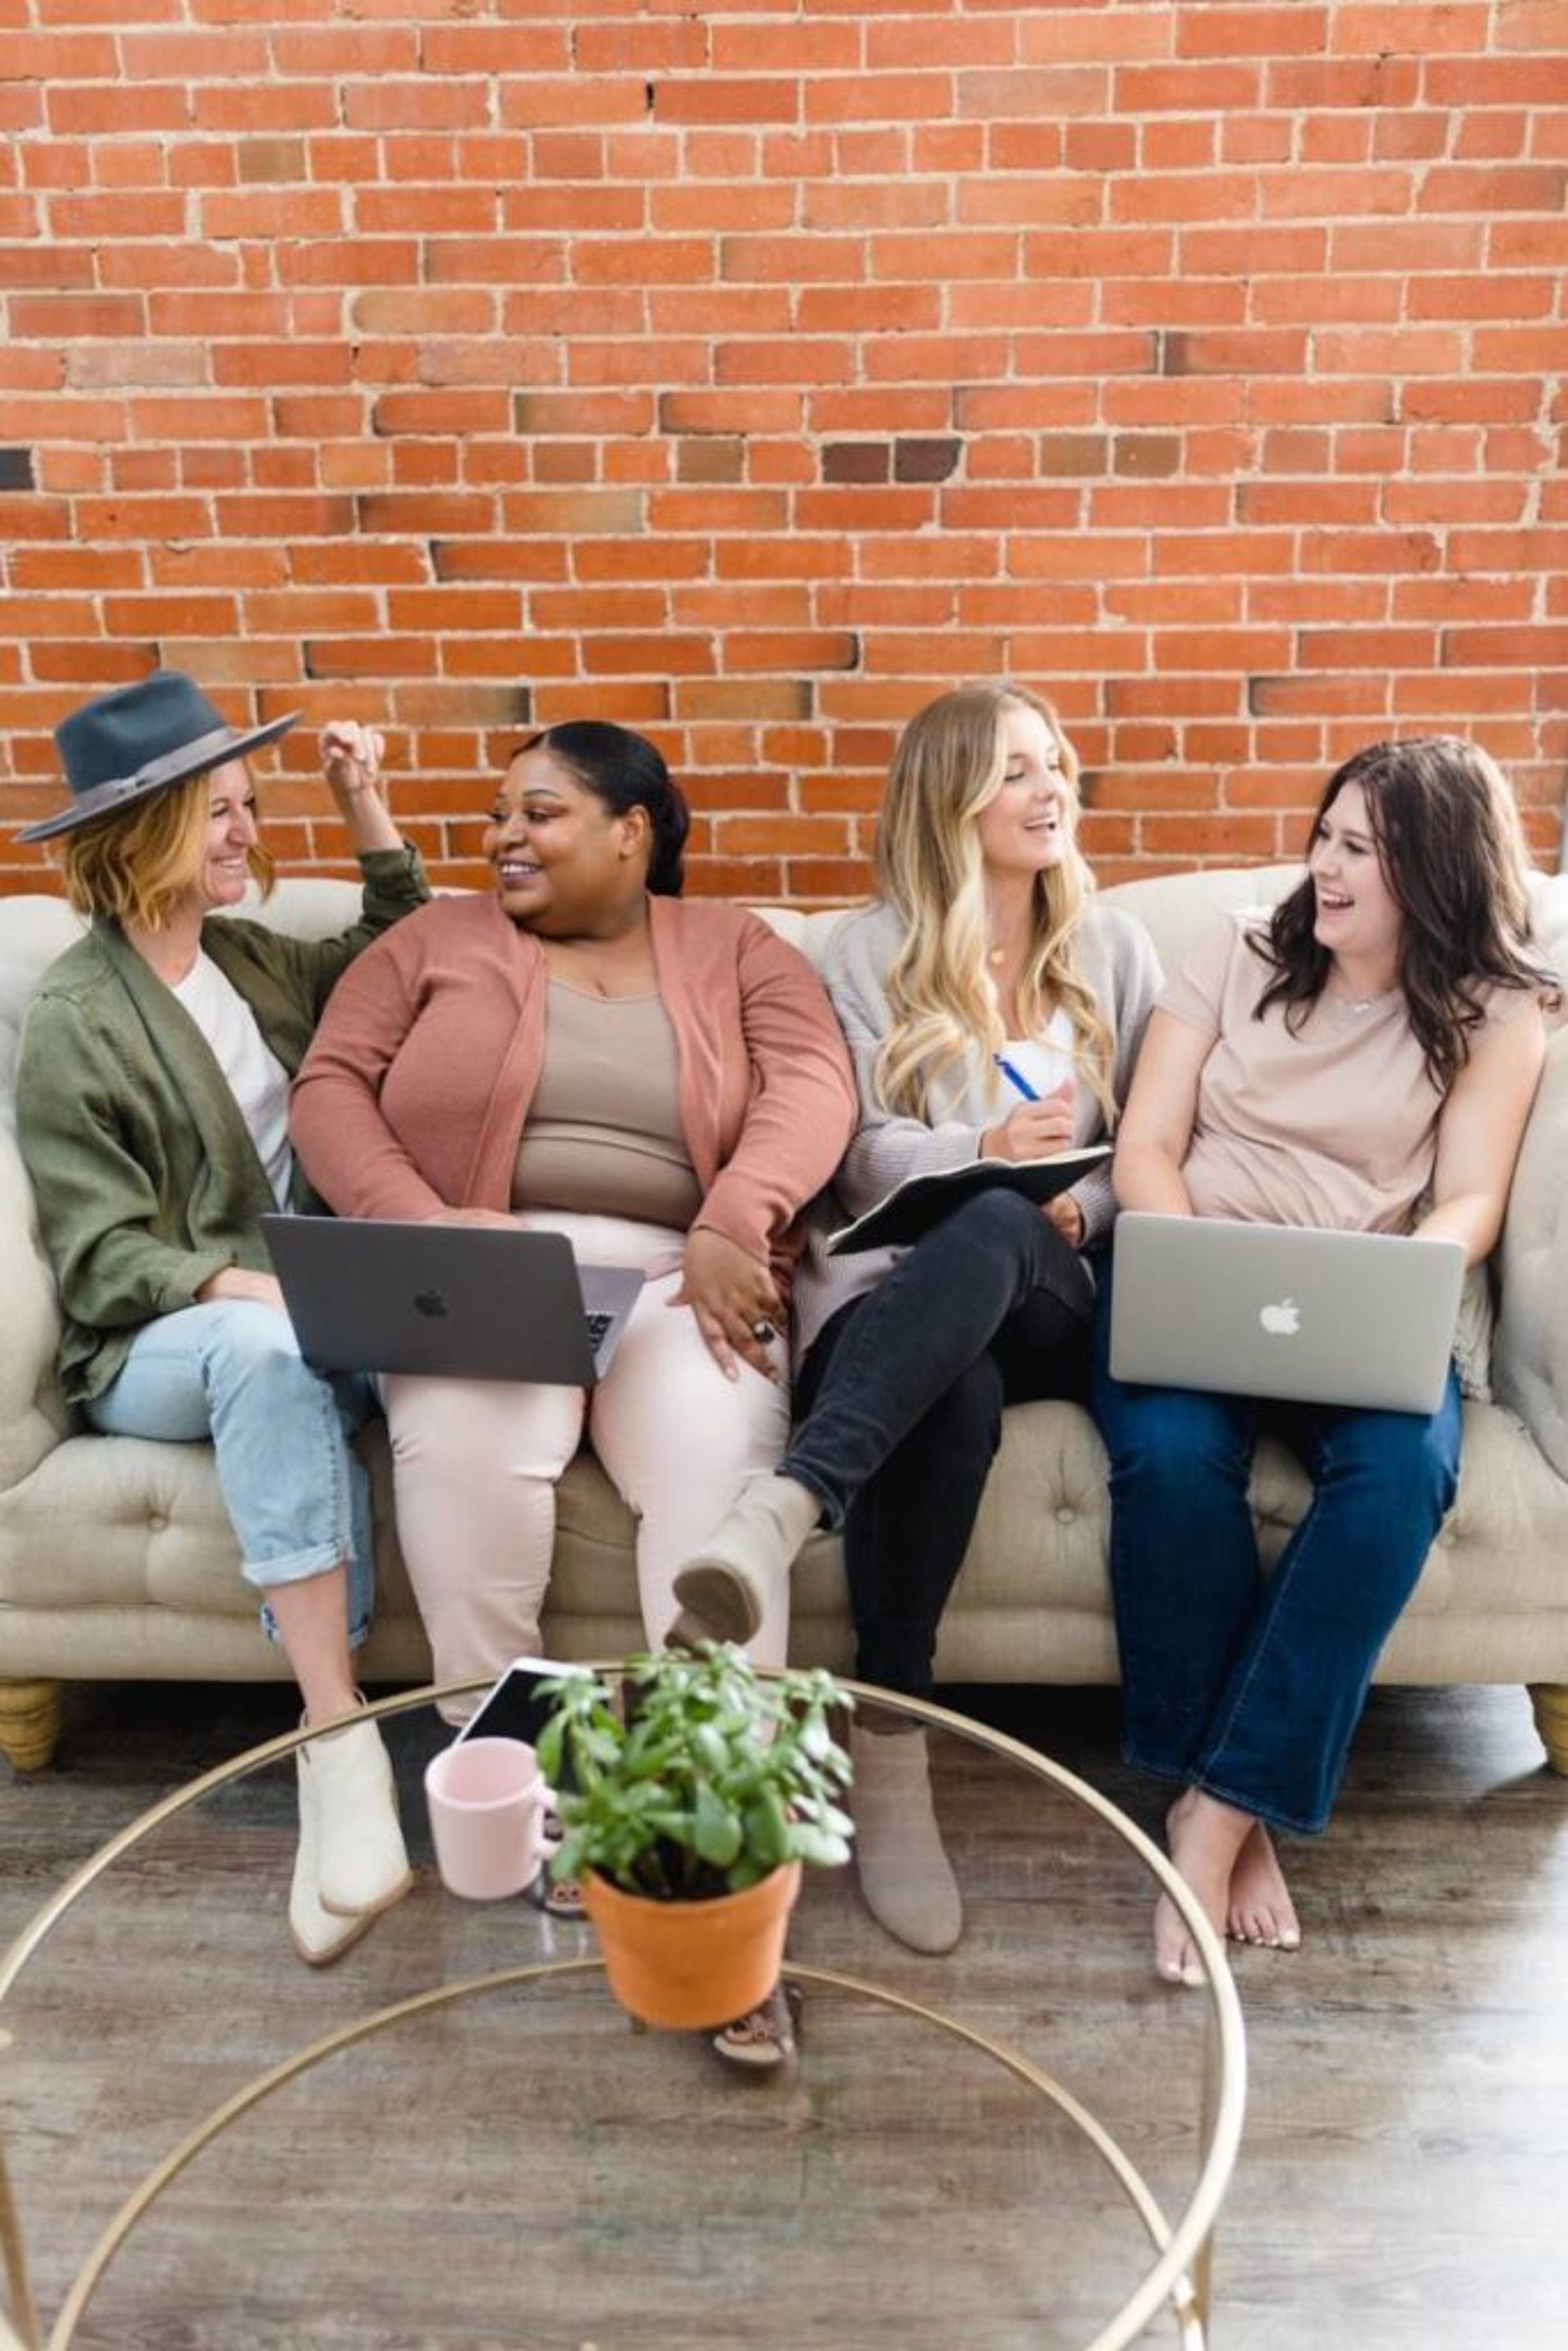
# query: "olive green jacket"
{"points": [[146, 1178]]}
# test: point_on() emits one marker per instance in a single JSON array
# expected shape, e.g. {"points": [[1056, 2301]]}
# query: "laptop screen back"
{"points": [[1257, 1310]]}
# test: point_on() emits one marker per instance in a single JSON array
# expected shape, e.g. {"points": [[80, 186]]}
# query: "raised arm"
{"points": [[352, 763], [394, 875]]}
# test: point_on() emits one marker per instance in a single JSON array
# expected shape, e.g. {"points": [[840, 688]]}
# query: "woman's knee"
{"points": [[1003, 1221], [478, 1433], [1404, 1463], [1174, 1440], [249, 1344]]}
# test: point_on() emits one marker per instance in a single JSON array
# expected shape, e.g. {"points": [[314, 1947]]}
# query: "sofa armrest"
{"points": [[33, 1416], [1529, 1358]]}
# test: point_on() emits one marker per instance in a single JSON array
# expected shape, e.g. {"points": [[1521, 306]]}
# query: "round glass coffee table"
{"points": [[451, 2137]]}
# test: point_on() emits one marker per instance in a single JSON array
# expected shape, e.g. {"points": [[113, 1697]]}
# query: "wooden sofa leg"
{"points": [[31, 1714], [1550, 1701]]}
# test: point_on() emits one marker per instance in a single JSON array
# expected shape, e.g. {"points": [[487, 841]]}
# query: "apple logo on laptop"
{"points": [[1282, 1320], [430, 1302]]}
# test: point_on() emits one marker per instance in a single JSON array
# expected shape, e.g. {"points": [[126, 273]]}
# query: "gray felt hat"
{"points": [[125, 746]]}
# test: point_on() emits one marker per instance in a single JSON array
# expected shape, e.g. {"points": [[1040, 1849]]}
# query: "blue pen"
{"points": [[1015, 1078]]}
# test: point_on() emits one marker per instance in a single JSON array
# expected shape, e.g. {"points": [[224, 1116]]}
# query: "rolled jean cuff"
{"points": [[1188, 1775], [295, 1566]]}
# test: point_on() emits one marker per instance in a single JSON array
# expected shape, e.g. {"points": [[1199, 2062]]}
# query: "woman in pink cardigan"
{"points": [[663, 1081]]}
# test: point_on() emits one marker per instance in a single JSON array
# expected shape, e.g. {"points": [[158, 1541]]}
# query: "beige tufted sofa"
{"points": [[116, 1561]]}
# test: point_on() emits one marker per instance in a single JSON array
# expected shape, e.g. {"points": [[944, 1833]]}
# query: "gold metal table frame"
{"points": [[1180, 2275]]}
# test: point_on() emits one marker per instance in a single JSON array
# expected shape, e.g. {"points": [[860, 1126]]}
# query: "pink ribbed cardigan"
{"points": [[414, 1094]]}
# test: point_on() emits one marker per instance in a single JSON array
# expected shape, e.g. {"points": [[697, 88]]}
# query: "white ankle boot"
{"points": [[907, 1879], [317, 1935], [725, 1589], [346, 1783]]}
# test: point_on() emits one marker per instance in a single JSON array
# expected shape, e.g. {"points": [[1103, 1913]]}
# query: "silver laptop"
{"points": [[1284, 1310], [467, 1301]]}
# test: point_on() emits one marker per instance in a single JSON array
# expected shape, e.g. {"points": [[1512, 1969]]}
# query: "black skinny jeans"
{"points": [[902, 1394]]}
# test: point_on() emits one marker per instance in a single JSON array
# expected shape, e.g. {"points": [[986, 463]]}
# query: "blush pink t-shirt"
{"points": [[1333, 1125]]}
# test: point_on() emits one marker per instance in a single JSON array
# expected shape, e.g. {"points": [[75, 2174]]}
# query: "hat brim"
{"points": [[114, 797]]}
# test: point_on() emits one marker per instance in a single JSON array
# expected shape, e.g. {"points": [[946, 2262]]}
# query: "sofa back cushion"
{"points": [[1175, 908]]}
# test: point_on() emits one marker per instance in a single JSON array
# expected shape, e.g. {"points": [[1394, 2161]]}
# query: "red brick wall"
{"points": [[749, 374]]}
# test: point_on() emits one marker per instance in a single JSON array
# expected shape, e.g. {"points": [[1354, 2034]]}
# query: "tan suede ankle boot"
{"points": [[725, 1587], [907, 1879]]}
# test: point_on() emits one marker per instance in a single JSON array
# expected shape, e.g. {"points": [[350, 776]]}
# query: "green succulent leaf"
{"points": [[700, 1778]]}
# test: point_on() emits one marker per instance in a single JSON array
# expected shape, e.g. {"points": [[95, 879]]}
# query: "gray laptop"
{"points": [[1284, 1310], [467, 1301]]}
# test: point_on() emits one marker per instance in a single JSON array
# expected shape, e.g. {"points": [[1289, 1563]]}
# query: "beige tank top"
{"points": [[602, 1136], [1334, 1123]]}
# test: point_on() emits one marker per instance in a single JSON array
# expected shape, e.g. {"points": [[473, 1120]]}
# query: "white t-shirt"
{"points": [[1042, 1061], [256, 1077]]}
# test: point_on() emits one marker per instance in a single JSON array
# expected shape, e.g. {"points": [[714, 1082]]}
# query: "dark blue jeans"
{"points": [[1250, 1688], [902, 1394]]}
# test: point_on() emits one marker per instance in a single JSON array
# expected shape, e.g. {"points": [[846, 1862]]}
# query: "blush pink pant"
{"points": [[476, 1462]]}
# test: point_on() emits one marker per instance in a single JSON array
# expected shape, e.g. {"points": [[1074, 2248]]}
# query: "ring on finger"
{"points": [[763, 1330]]}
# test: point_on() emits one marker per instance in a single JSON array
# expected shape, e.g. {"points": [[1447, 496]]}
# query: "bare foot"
{"points": [[1261, 1909], [1206, 1838]]}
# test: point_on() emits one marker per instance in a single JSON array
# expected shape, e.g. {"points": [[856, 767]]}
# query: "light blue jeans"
{"points": [[294, 1488]]}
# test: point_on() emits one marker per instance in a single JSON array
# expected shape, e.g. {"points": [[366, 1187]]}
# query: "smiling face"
{"points": [[564, 865], [228, 840], [1026, 825], [1358, 919]]}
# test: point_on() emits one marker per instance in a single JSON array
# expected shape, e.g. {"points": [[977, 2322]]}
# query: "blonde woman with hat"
{"points": [[152, 1100]]}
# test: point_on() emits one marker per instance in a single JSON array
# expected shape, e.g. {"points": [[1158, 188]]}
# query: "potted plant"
{"points": [[686, 1812]]}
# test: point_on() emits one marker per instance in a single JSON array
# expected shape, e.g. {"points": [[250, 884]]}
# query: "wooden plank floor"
{"points": [[1399, 2188]]}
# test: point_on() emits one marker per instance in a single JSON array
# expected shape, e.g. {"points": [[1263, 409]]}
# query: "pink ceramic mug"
{"points": [[486, 1806]]}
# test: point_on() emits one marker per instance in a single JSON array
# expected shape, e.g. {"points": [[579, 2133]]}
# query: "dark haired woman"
{"points": [[151, 1111], [1364, 1059], [663, 1081]]}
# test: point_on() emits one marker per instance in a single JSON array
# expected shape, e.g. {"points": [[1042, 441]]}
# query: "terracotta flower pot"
{"points": [[692, 1964]]}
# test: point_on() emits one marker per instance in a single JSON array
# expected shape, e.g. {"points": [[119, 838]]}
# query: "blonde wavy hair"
{"points": [[949, 766], [136, 867]]}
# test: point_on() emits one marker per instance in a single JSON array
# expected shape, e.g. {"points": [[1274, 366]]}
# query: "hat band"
{"points": [[166, 768]]}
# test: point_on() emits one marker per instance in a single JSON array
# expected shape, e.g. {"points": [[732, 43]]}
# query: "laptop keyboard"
{"points": [[598, 1325]]}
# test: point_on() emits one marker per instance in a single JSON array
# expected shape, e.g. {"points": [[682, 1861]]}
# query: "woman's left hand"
{"points": [[736, 1301]]}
